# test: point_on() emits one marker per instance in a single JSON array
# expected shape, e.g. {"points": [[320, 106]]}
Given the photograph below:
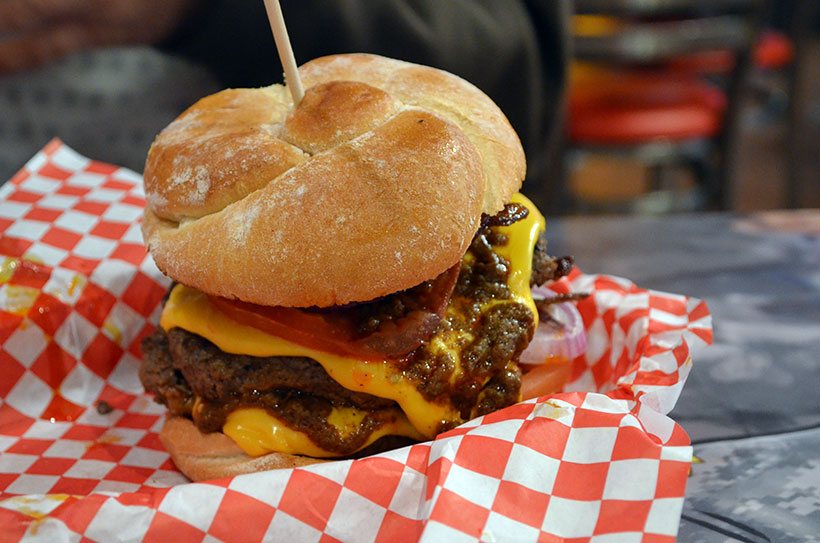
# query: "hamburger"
{"points": [[349, 275]]}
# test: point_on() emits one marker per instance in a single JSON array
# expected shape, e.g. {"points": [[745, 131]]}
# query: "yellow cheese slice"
{"points": [[257, 432]]}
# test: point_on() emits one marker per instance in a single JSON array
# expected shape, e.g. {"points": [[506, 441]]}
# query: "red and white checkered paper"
{"points": [[78, 293]]}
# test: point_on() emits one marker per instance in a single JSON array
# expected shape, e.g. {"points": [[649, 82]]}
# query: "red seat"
{"points": [[720, 62], [773, 51], [639, 108]]}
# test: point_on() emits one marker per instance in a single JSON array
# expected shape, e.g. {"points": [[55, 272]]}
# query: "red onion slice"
{"points": [[562, 338]]}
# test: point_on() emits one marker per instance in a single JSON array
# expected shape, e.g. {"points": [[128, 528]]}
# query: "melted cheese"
{"points": [[255, 430], [522, 237]]}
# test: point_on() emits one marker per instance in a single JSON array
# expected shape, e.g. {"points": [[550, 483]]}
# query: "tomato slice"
{"points": [[545, 379], [335, 331], [306, 328]]}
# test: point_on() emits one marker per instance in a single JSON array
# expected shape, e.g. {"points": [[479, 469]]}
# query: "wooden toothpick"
{"points": [[280, 36]]}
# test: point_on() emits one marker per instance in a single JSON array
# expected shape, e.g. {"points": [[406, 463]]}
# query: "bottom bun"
{"points": [[213, 456]]}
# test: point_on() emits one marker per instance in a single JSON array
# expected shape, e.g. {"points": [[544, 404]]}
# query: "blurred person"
{"points": [[35, 32], [514, 50]]}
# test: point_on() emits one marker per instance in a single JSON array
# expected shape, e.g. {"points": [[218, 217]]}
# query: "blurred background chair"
{"points": [[653, 102]]}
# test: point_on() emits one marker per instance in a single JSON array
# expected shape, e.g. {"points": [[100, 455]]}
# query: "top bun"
{"points": [[373, 184]]}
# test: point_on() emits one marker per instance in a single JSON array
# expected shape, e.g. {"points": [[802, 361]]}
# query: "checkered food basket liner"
{"points": [[601, 462]]}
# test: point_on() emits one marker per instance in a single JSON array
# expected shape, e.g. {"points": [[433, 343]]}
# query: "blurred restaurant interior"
{"points": [[694, 105]]}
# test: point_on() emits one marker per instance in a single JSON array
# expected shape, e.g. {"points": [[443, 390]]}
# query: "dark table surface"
{"points": [[752, 402]]}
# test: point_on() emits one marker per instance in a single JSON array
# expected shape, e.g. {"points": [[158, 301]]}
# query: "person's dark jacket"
{"points": [[514, 50]]}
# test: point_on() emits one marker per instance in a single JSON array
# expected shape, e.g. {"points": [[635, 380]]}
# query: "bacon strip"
{"points": [[397, 337]]}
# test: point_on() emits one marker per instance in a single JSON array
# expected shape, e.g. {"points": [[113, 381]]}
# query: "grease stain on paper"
{"points": [[550, 410], [36, 507]]}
